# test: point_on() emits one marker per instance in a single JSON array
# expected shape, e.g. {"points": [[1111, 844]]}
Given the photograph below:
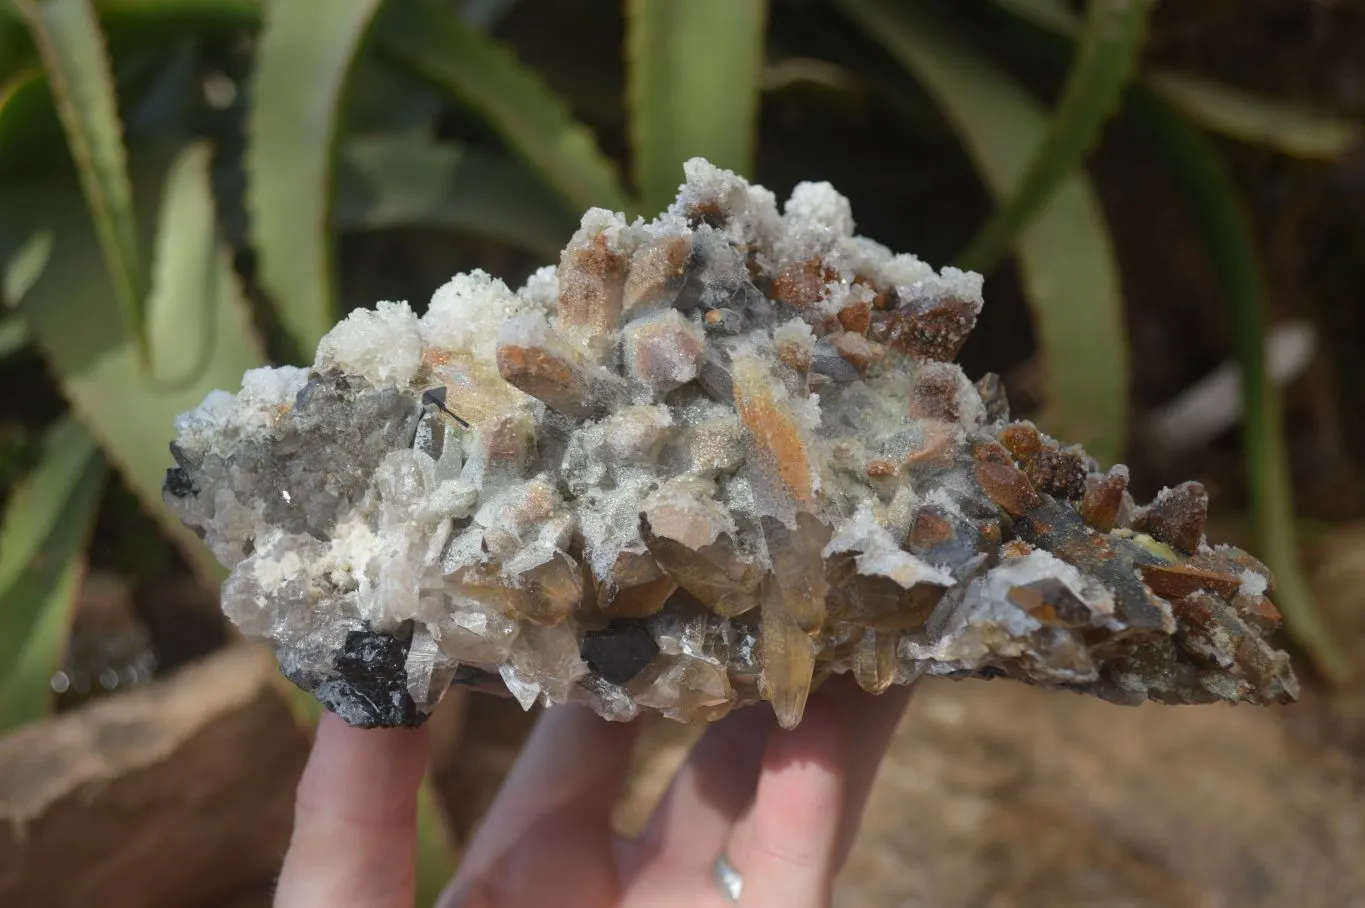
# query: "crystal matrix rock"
{"points": [[708, 460]]}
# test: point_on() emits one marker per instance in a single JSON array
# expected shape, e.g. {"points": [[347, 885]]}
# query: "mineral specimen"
{"points": [[706, 461]]}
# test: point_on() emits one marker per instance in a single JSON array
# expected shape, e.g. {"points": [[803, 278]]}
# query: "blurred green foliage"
{"points": [[175, 176]]}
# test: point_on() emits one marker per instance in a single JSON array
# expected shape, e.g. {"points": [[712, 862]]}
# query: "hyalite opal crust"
{"points": [[706, 461]]}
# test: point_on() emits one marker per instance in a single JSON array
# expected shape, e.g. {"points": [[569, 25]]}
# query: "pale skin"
{"points": [[784, 806]]}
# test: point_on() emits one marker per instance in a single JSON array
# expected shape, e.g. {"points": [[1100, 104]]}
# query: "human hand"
{"points": [[782, 807]]}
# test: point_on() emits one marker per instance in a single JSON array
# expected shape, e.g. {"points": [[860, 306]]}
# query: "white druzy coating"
{"points": [[382, 344], [466, 312]]}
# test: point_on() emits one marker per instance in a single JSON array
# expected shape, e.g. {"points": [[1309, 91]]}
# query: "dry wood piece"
{"points": [[180, 793]]}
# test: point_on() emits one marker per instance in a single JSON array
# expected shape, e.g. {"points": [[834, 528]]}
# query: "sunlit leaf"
{"points": [[1226, 229], [68, 37], [1106, 59], [302, 66], [405, 180], [1287, 128], [42, 541], [431, 40], [679, 109], [197, 302], [1066, 259]]}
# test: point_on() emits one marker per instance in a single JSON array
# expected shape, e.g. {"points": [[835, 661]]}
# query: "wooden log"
{"points": [[177, 794]]}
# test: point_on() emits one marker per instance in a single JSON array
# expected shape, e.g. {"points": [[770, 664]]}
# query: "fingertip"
{"points": [[710, 791], [801, 780], [355, 817], [785, 845], [870, 722]]}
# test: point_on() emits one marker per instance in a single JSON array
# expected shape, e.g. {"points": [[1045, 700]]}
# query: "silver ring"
{"points": [[730, 880]]}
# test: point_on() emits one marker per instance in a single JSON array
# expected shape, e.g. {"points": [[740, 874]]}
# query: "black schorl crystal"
{"points": [[620, 651], [368, 686], [178, 483]]}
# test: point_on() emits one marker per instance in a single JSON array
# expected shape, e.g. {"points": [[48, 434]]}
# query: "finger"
{"points": [[785, 846], [869, 723], [355, 819], [553, 811], [693, 820]]}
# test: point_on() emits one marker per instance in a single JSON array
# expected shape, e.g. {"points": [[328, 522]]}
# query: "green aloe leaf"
{"points": [[409, 180], [1066, 259], [1290, 129], [1106, 60], [71, 44], [42, 541], [678, 109], [196, 303], [1227, 234], [1222, 109], [302, 66], [429, 39]]}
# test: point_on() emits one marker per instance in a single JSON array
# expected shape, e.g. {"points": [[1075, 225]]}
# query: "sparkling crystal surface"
{"points": [[707, 460]]}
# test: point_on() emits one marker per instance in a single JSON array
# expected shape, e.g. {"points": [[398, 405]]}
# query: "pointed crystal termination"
{"points": [[705, 461], [788, 657]]}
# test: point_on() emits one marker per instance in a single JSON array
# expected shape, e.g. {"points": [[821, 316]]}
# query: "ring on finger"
{"points": [[728, 879]]}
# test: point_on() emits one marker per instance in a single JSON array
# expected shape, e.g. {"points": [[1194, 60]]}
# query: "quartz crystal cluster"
{"points": [[706, 461]]}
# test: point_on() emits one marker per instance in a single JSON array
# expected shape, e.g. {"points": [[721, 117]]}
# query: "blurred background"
{"points": [[1168, 203]]}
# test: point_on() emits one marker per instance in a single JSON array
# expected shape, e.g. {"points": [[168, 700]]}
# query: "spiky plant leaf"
{"points": [[71, 44], [428, 38], [1106, 60], [42, 544], [409, 180], [196, 302], [1290, 129], [302, 65], [679, 109], [1223, 109]]}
